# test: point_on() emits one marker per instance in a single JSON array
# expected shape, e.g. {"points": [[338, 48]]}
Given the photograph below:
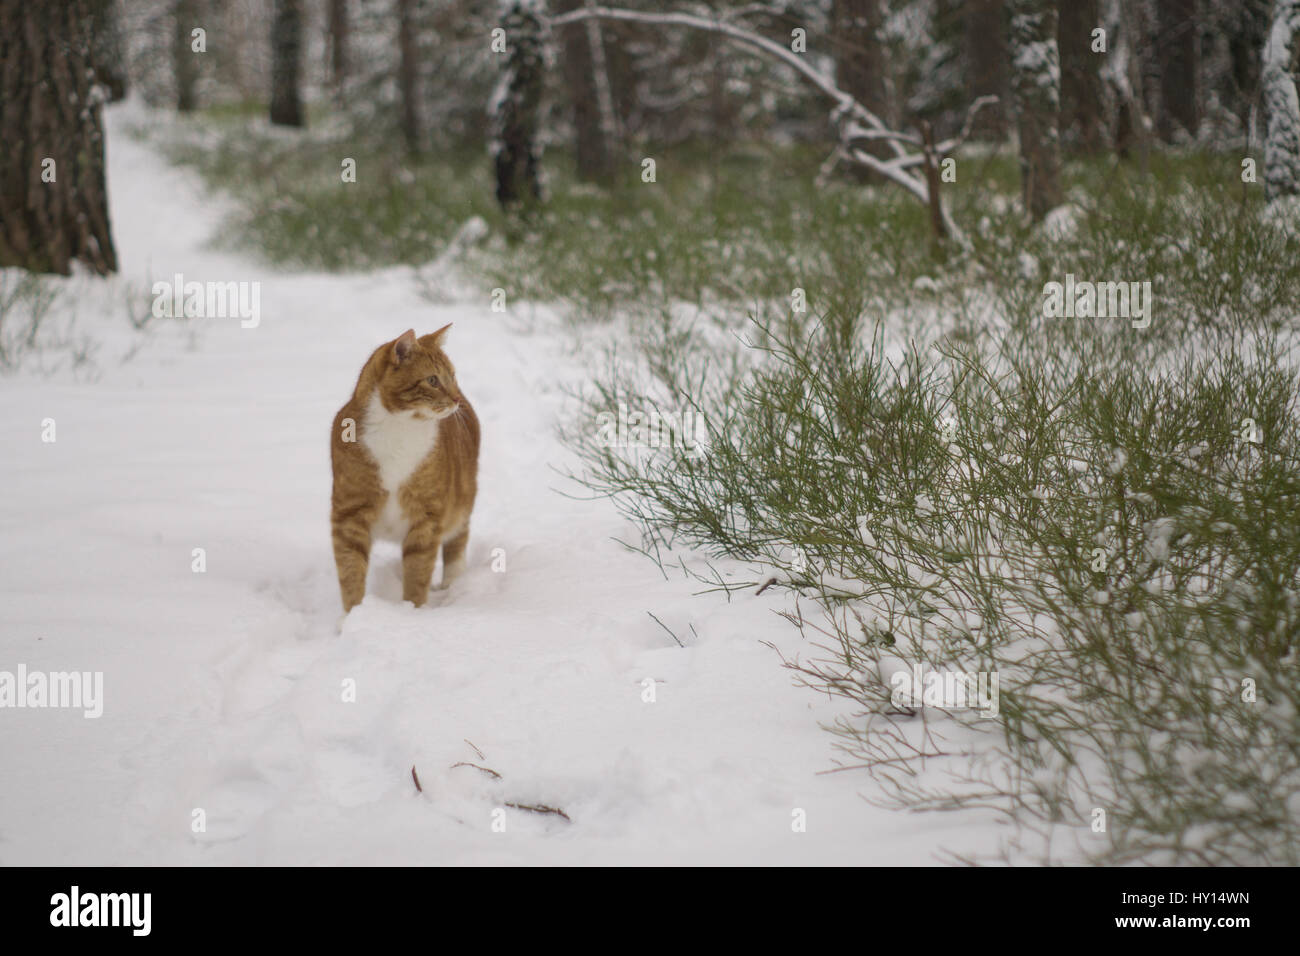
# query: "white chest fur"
{"points": [[399, 442]]}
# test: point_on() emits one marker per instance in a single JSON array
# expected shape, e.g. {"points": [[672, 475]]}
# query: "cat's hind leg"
{"points": [[453, 556], [351, 535]]}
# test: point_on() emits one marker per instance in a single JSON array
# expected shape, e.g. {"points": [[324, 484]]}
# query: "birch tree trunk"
{"points": [[1281, 102]]}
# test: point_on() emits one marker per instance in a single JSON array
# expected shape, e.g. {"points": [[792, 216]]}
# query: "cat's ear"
{"points": [[403, 346], [436, 338]]}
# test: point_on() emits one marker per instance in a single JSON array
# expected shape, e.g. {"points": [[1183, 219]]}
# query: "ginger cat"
{"points": [[405, 456]]}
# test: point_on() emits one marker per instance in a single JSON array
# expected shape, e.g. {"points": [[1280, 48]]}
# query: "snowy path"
{"points": [[224, 690]]}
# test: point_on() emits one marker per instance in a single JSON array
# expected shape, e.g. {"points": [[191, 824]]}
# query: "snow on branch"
{"points": [[853, 122]]}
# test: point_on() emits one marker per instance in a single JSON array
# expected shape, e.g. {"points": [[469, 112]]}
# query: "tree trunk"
{"points": [[609, 132], [286, 63], [1281, 102], [338, 28], [1178, 59], [184, 59], [860, 63], [1083, 124], [986, 65], [590, 143], [408, 76], [1122, 73], [1247, 32], [49, 111], [107, 48], [516, 108], [1036, 83]]}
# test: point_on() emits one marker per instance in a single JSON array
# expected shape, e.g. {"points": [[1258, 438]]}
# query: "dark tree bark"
{"points": [[986, 65], [1178, 61], [1246, 28], [1083, 122], [1035, 80], [49, 110], [517, 104], [184, 59], [591, 149], [107, 48], [408, 76], [286, 64], [861, 68], [338, 28]]}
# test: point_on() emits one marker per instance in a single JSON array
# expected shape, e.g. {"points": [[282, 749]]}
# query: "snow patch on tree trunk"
{"points": [[1036, 83], [515, 108], [1281, 103]]}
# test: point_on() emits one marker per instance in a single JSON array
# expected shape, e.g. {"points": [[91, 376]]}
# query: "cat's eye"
{"points": [[432, 380]]}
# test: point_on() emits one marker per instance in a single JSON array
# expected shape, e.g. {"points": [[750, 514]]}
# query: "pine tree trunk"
{"points": [[986, 64], [1247, 32], [108, 49], [48, 110], [860, 64], [184, 59], [1282, 102], [609, 129], [516, 107], [338, 28], [1036, 84], [408, 76], [1178, 58], [286, 63], [1083, 124], [591, 148]]}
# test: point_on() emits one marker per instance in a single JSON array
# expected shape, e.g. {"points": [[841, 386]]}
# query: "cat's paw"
{"points": [[450, 573]]}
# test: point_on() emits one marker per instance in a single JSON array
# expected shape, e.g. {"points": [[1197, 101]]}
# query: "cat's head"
{"points": [[416, 377]]}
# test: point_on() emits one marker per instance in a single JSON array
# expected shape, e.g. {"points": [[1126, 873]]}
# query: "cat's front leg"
{"points": [[419, 554]]}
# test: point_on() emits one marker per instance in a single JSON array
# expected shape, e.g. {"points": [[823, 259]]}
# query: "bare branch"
{"points": [[740, 35], [853, 122], [948, 145]]}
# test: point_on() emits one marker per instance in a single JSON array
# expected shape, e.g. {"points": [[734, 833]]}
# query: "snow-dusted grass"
{"points": [[1098, 513], [292, 206], [224, 690], [916, 470], [50, 325]]}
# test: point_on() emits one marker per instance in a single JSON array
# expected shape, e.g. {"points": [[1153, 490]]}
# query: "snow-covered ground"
{"points": [[224, 690]]}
